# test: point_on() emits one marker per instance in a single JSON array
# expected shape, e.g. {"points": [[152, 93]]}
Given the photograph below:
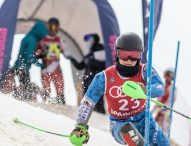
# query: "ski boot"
{"points": [[61, 99]]}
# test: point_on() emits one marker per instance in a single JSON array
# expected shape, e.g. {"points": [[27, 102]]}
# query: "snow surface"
{"points": [[12, 134]]}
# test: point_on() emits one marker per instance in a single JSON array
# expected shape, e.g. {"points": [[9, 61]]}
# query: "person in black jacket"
{"points": [[93, 63]]}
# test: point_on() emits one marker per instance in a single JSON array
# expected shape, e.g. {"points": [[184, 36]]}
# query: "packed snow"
{"points": [[13, 134]]}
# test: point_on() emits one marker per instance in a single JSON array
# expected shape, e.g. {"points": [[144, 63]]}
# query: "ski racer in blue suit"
{"points": [[123, 110]]}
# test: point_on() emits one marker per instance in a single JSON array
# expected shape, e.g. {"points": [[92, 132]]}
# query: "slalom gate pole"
{"points": [[173, 89], [149, 70]]}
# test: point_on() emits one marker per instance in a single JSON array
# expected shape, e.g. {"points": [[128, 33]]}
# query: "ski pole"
{"points": [[77, 141], [17, 121], [135, 91], [171, 109]]}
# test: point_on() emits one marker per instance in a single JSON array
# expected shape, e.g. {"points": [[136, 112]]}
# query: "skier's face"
{"points": [[169, 76], [90, 42], [53, 29]]}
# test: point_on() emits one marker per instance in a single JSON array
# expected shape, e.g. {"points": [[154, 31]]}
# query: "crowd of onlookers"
{"points": [[42, 46]]}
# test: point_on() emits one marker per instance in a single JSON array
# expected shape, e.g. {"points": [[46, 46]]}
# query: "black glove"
{"points": [[80, 134]]}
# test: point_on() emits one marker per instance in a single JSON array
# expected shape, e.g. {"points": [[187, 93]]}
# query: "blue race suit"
{"points": [[157, 137]]}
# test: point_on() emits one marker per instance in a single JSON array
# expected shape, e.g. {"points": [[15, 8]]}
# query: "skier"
{"points": [[162, 115], [127, 115], [49, 50], [93, 63], [26, 58]]}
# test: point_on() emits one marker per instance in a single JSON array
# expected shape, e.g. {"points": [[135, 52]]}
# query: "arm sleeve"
{"points": [[93, 94], [96, 88], [62, 46], [36, 62], [33, 60], [157, 85], [32, 57], [81, 65], [40, 52]]}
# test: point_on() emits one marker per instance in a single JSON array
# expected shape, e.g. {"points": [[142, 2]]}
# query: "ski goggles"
{"points": [[87, 37], [129, 55]]}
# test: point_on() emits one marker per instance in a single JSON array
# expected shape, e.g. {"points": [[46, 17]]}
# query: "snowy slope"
{"points": [[12, 134]]}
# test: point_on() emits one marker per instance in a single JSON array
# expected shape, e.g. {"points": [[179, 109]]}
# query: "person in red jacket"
{"points": [[162, 115], [49, 50]]}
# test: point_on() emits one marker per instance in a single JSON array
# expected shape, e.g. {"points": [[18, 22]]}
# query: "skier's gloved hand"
{"points": [[143, 88], [79, 135]]}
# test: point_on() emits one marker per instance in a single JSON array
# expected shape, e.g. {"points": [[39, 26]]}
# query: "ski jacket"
{"points": [[28, 46], [99, 86], [166, 98], [120, 105], [91, 64], [50, 47]]}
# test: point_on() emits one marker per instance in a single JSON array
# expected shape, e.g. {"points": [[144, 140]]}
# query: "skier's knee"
{"points": [[131, 136]]}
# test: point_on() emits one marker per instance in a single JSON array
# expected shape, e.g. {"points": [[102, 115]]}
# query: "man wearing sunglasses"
{"points": [[127, 115]]}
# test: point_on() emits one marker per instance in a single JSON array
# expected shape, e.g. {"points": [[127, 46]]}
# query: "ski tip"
{"points": [[15, 120]]}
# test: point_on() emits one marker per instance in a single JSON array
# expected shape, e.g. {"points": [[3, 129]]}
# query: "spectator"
{"points": [[49, 50], [93, 63], [26, 58], [8, 83], [162, 115]]}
